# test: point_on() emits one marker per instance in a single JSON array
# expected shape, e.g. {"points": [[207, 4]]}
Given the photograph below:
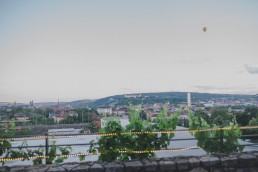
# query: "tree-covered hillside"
{"points": [[163, 97]]}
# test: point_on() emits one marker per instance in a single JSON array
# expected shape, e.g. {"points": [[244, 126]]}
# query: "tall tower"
{"points": [[58, 105], [188, 99]]}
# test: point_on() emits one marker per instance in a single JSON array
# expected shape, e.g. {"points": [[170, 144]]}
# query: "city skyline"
{"points": [[71, 50]]}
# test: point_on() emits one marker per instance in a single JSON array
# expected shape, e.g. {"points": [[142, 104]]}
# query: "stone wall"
{"points": [[244, 162]]}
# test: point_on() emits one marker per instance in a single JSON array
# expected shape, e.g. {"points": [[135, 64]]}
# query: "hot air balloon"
{"points": [[204, 29]]}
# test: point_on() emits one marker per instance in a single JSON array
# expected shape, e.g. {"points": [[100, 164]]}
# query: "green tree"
{"points": [[200, 114], [244, 117], [220, 117], [93, 127], [143, 115], [215, 141], [253, 122], [69, 120], [37, 119]]}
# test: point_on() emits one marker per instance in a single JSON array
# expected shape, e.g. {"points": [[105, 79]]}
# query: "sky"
{"points": [[69, 50]]}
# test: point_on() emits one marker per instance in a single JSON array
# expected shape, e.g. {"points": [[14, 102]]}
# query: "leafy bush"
{"points": [[216, 140], [5, 145], [109, 147], [253, 122], [25, 153]]}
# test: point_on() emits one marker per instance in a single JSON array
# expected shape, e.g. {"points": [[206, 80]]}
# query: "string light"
{"points": [[126, 133], [122, 133], [89, 154], [129, 133]]}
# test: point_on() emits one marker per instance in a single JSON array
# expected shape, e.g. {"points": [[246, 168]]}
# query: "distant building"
{"points": [[51, 115], [58, 118], [64, 131], [31, 105], [132, 95], [210, 104], [105, 110], [21, 117], [123, 121], [72, 113], [153, 115], [119, 112]]}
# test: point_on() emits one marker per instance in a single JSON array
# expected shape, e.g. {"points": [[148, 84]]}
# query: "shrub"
{"points": [[109, 147]]}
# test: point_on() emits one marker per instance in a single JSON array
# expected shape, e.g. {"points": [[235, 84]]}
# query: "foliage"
{"points": [[93, 127], [253, 122], [39, 119], [24, 153], [84, 116], [143, 115], [243, 118], [5, 145], [109, 146], [40, 116], [216, 140], [53, 152], [24, 132], [220, 117], [164, 97], [200, 114]]}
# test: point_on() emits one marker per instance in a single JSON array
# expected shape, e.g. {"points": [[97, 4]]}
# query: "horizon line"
{"points": [[91, 99]]}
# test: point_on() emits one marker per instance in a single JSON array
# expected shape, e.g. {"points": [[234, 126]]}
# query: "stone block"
{"points": [[194, 162], [209, 161], [182, 164], [96, 167], [247, 160], [150, 165], [21, 169], [81, 167], [131, 166], [228, 161], [255, 153], [230, 169], [56, 169], [246, 169], [17, 168], [69, 166], [4, 169], [167, 166], [198, 169], [113, 167], [40, 168]]}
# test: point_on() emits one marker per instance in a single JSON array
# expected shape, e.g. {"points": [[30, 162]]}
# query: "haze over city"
{"points": [[71, 50]]}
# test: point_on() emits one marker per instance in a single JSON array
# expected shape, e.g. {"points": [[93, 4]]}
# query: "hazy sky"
{"points": [[70, 50]]}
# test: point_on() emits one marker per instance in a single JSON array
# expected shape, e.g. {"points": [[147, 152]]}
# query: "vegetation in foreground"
{"points": [[109, 146]]}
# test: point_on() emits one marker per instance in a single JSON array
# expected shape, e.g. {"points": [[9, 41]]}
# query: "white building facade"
{"points": [[105, 110]]}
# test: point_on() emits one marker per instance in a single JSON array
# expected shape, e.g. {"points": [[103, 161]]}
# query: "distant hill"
{"points": [[163, 97], [150, 98], [80, 103]]}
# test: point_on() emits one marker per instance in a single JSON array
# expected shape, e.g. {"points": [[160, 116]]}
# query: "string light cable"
{"points": [[96, 153], [126, 133]]}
